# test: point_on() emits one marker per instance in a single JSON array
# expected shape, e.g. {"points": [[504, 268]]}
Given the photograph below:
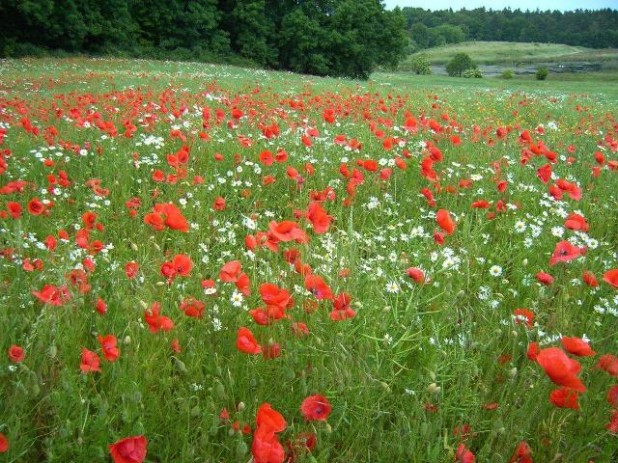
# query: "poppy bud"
{"points": [[433, 388]]}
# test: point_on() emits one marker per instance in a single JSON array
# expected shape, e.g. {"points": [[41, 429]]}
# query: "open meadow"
{"points": [[204, 263]]}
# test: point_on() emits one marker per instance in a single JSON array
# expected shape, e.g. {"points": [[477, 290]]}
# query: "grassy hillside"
{"points": [[510, 53]]}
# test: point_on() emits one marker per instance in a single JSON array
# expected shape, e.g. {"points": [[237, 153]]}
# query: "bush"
{"points": [[541, 73], [507, 74], [472, 72], [420, 65], [459, 63]]}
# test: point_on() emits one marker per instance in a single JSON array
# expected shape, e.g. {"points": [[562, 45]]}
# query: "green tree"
{"points": [[251, 30], [361, 36], [302, 44], [460, 63], [419, 35], [180, 24]]}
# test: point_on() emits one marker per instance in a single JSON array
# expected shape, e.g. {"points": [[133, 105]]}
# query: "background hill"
{"points": [[522, 58]]}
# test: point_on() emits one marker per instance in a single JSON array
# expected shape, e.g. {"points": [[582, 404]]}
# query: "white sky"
{"points": [[543, 5]]}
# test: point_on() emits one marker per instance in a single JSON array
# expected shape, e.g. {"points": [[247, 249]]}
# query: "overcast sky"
{"points": [[562, 5]]}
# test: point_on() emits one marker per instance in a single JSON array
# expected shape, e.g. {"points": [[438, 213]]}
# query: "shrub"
{"points": [[420, 65], [472, 72], [541, 73], [507, 74], [459, 63]]}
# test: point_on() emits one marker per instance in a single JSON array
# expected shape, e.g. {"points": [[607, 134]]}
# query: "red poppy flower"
{"points": [[4, 443], [182, 264], [522, 454], [544, 173], [609, 364], [576, 222], [266, 158], [53, 295], [108, 344], [16, 354], [611, 277], [560, 368], [533, 351], [272, 295], [612, 426], [571, 189], [480, 204], [544, 278], [577, 346], [464, 455], [219, 204], [445, 221], [129, 450], [245, 342], [612, 396], [131, 269], [14, 209], [36, 207], [157, 322], [524, 315], [565, 252], [230, 271], [269, 419], [426, 192], [565, 397], [341, 308], [590, 279], [287, 230], [318, 287], [416, 274], [243, 284], [90, 361], [192, 307], [166, 214], [316, 408], [266, 447], [101, 306], [260, 316], [318, 217]]}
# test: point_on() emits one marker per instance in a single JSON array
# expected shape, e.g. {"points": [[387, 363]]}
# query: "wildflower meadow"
{"points": [[202, 263]]}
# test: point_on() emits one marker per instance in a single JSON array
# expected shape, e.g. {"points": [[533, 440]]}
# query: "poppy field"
{"points": [[208, 264]]}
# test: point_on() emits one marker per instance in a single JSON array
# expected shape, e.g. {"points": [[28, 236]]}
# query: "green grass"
{"points": [[512, 53], [418, 371]]}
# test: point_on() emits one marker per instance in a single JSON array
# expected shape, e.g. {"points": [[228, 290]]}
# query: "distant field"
{"points": [[565, 62], [515, 52]]}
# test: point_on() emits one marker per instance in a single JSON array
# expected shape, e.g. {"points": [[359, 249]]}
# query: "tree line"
{"points": [[588, 28], [321, 37]]}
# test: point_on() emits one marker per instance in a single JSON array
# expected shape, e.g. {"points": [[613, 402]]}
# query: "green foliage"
{"points": [[507, 74], [541, 73], [589, 28], [458, 64], [419, 64], [472, 73], [323, 37]]}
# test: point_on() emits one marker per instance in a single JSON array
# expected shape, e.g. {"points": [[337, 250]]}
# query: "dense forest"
{"points": [[594, 29], [322, 37]]}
